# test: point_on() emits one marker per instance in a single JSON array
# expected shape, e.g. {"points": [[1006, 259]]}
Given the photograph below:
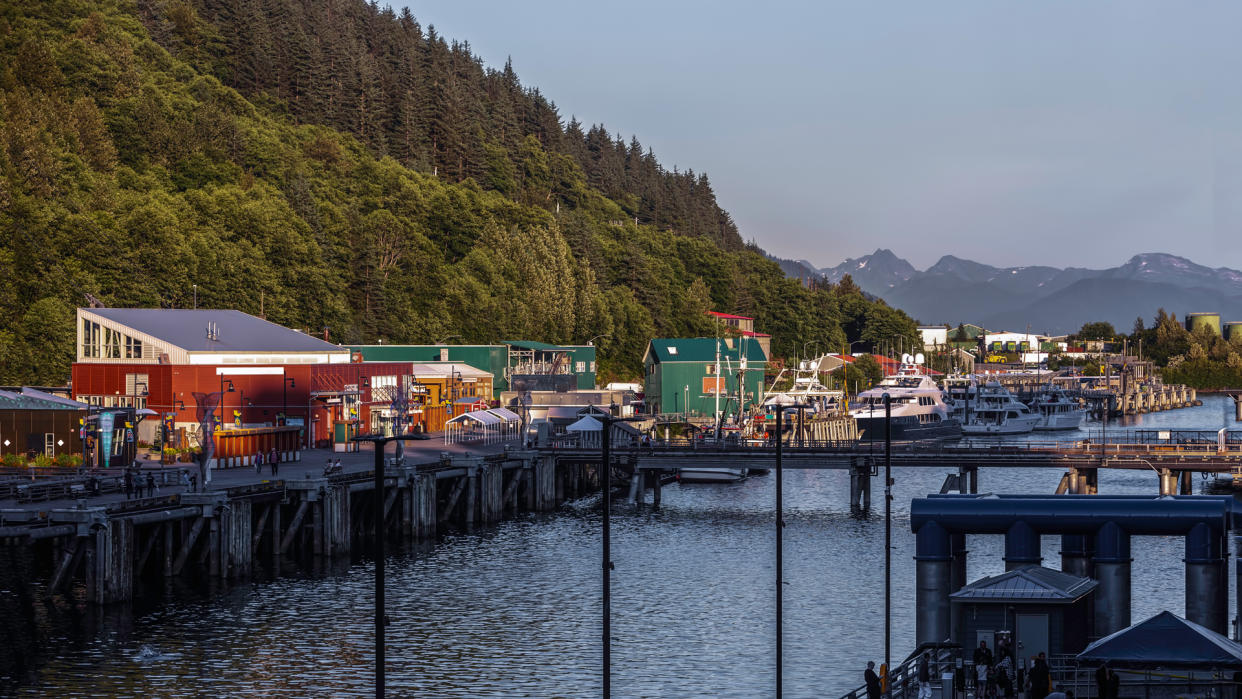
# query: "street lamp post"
{"points": [[605, 442], [231, 389], [380, 442], [888, 529], [285, 385]]}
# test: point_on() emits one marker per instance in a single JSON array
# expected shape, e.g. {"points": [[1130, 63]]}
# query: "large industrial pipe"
{"points": [[1076, 550], [1206, 597], [933, 556], [1068, 514], [957, 578], [1021, 546], [1112, 570]]}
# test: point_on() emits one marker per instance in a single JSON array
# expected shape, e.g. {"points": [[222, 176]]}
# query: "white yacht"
{"points": [[917, 405], [1057, 410], [995, 411], [959, 391]]}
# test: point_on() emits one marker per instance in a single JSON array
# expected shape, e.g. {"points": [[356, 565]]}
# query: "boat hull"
{"points": [[1066, 421], [871, 429], [1008, 427], [708, 474]]}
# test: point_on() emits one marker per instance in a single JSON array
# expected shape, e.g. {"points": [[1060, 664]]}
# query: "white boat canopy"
{"points": [[494, 425]]}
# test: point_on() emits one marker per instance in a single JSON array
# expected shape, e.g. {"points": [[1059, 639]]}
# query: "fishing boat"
{"points": [[916, 405], [995, 412], [1057, 410]]}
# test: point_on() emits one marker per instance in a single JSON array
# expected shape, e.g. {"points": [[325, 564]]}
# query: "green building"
{"points": [[679, 375], [517, 365]]}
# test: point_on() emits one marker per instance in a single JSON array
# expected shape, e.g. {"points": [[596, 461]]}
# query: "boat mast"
{"points": [[716, 388]]}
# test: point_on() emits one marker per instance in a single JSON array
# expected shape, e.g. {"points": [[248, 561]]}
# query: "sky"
{"points": [[1055, 132]]}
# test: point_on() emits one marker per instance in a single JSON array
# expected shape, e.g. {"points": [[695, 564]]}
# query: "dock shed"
{"points": [[1039, 608]]}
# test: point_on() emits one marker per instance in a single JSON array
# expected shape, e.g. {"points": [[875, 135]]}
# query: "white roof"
{"points": [[479, 416], [586, 424], [505, 414], [447, 370]]}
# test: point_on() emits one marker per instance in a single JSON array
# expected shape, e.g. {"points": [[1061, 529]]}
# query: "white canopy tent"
{"points": [[494, 425]]}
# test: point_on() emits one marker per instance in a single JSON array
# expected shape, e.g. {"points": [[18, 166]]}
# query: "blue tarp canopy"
{"points": [[1165, 640]]}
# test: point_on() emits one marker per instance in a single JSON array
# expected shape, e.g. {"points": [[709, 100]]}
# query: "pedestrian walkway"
{"points": [[311, 465]]}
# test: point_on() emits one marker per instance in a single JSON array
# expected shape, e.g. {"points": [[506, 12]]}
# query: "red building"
{"points": [[265, 375]]}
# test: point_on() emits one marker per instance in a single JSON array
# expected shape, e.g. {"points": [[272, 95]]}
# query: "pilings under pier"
{"points": [[224, 535]]}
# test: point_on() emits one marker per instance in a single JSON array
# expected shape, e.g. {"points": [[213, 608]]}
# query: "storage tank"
{"points": [[1203, 320], [1233, 331]]}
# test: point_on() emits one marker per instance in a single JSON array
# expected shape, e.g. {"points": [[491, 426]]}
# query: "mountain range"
{"points": [[1048, 299]]}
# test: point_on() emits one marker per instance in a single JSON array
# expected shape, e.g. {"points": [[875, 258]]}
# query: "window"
{"points": [[49, 444], [579, 367], [133, 348], [711, 369], [672, 351], [592, 367]]}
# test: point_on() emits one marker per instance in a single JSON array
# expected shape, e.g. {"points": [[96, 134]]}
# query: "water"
{"points": [[514, 611]]}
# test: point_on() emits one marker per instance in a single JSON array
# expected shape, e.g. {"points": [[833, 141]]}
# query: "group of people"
{"points": [[272, 458], [134, 484], [995, 678]]}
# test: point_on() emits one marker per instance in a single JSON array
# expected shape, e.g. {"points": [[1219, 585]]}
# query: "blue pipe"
{"points": [[1069, 514], [1021, 546]]}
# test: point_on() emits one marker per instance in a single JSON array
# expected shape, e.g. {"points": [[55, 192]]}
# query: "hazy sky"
{"points": [[1010, 133]]}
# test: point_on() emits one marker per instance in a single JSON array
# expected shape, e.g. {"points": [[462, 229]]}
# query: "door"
{"points": [[986, 636], [1032, 635], [49, 444]]}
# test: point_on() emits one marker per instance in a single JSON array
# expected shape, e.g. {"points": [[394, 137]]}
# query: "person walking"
{"points": [[1101, 681], [1040, 678], [150, 485], [273, 458], [983, 665], [129, 484], [925, 675], [872, 680], [1004, 676], [258, 462], [1114, 684]]}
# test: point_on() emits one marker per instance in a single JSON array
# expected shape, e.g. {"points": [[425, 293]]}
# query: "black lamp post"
{"points": [[780, 547], [380, 442], [606, 542], [285, 385], [888, 529], [231, 389]]}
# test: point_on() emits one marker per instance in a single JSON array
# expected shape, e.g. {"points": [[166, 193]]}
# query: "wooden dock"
{"points": [[101, 550]]}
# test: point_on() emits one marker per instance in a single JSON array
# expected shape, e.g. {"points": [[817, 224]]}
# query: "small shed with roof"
{"points": [[1040, 609], [33, 422]]}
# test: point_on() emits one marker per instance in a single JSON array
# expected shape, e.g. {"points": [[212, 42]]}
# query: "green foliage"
{"points": [[13, 461], [65, 460], [1096, 331], [43, 461], [334, 165]]}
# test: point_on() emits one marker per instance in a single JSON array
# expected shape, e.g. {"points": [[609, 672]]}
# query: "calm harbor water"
{"points": [[513, 611]]}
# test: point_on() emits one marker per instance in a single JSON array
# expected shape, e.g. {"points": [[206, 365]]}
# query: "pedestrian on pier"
{"points": [[273, 457], [129, 484], [872, 680], [924, 674], [151, 485], [258, 462]]}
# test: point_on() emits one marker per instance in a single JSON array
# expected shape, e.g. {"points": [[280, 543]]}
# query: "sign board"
{"points": [[105, 435], [713, 385], [1164, 435]]}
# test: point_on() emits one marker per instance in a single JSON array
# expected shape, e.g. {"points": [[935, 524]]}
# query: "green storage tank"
{"points": [[1211, 321], [1233, 331]]}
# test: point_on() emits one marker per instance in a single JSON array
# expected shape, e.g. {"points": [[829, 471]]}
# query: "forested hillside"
{"points": [[331, 164]]}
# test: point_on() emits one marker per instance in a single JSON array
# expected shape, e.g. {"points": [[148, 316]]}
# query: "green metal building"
{"points": [[514, 365], [679, 375]]}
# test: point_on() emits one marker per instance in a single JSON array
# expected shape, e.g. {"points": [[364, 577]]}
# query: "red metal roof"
{"points": [[728, 315]]}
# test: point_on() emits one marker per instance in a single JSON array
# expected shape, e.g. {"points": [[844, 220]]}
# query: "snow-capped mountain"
{"points": [[1051, 299]]}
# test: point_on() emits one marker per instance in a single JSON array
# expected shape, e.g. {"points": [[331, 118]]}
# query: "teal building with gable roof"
{"points": [[679, 375]]}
